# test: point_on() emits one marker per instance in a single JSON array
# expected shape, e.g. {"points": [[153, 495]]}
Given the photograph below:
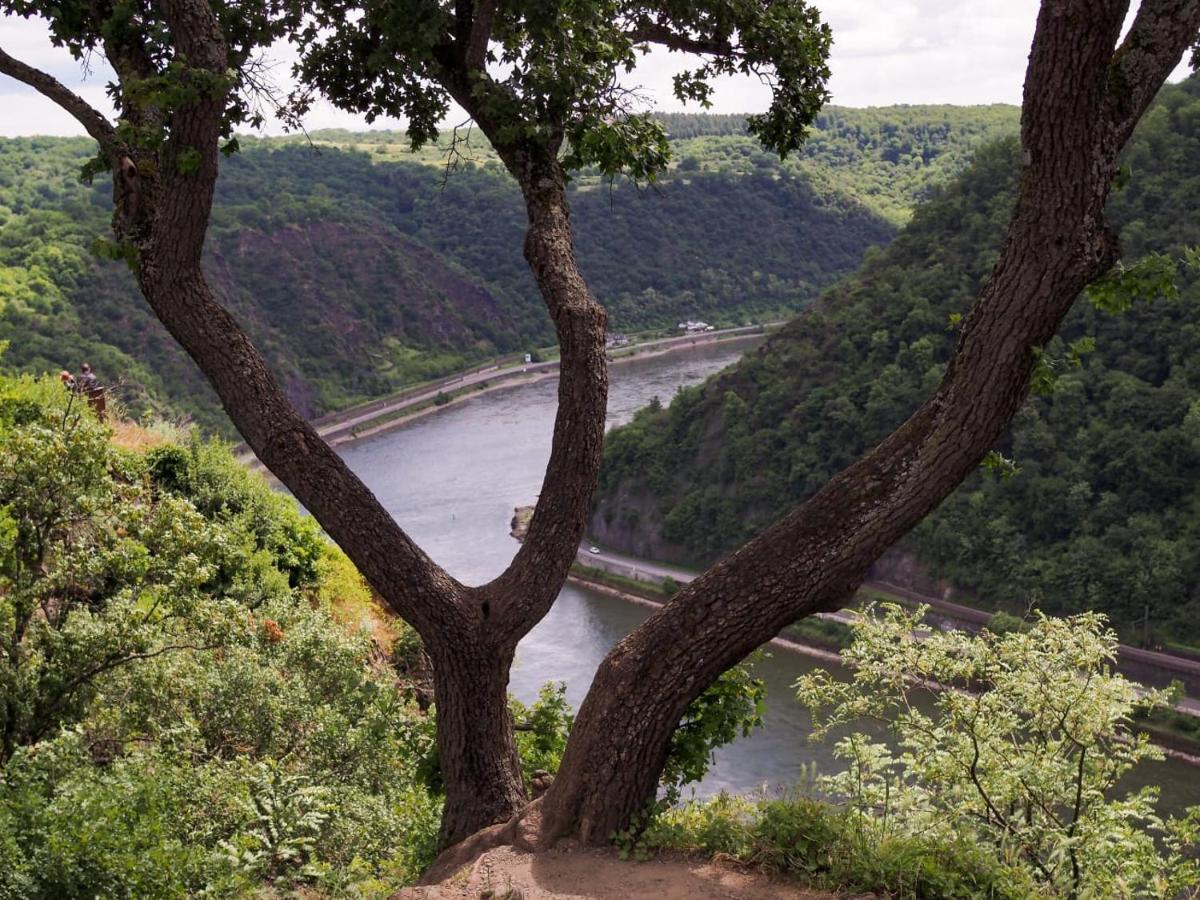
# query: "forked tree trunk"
{"points": [[1081, 103], [470, 633]]}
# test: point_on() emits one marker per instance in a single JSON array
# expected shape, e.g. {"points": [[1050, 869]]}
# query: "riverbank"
{"points": [[1176, 743], [823, 646], [375, 417]]}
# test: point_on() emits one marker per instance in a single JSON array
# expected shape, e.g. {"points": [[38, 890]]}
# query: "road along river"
{"points": [[452, 479]]}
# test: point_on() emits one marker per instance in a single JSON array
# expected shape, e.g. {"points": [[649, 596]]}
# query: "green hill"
{"points": [[360, 267], [1103, 512]]}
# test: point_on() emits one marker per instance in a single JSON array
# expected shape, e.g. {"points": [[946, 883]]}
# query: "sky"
{"points": [[884, 52]]}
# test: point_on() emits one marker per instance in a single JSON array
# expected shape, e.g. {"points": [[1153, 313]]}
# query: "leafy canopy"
{"points": [[534, 73], [153, 76]]}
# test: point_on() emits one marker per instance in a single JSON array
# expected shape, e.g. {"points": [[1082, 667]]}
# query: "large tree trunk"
{"points": [[1081, 103], [476, 749]]}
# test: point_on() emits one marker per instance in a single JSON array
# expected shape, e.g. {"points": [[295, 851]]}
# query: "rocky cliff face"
{"points": [[342, 311], [357, 303]]}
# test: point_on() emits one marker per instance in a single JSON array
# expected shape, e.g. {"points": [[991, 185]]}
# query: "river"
{"points": [[452, 479]]}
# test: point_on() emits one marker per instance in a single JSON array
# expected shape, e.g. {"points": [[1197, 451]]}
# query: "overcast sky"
{"points": [[884, 52]]}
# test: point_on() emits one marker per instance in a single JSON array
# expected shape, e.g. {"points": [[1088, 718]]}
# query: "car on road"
{"points": [[593, 549]]}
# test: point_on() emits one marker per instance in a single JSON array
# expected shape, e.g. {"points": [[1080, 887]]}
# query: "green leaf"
{"points": [[995, 463], [1149, 279]]}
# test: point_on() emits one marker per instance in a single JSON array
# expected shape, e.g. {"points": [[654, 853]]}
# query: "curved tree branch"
{"points": [[1145, 59], [93, 122], [654, 33], [516, 600], [524, 593], [479, 759], [815, 558], [169, 244]]}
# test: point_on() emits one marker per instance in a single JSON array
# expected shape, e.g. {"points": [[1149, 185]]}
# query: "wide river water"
{"points": [[452, 479]]}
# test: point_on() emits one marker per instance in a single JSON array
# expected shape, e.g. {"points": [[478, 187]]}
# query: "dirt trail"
{"points": [[587, 874]]}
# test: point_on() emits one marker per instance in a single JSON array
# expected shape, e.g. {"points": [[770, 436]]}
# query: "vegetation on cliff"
{"points": [[1099, 516], [1005, 784], [193, 688]]}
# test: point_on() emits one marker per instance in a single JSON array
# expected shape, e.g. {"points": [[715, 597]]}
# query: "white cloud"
{"points": [[885, 52]]}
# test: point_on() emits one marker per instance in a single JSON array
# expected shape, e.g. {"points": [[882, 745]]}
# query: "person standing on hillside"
{"points": [[90, 386]]}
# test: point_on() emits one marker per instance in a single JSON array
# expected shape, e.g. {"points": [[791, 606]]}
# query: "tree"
{"points": [[187, 73], [1085, 89], [1027, 763], [557, 106]]}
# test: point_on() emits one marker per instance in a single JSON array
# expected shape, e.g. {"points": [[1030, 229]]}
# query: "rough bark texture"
{"points": [[524, 593], [476, 749], [1081, 102], [93, 123]]}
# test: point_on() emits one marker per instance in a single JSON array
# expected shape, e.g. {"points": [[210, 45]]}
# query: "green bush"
{"points": [[182, 713], [1005, 623], [823, 845], [1022, 752], [225, 491], [543, 729]]}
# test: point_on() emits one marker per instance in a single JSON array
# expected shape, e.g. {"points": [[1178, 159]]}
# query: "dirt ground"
{"points": [[588, 874]]}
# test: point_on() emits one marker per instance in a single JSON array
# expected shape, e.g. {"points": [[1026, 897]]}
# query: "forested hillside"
{"points": [[1102, 513], [887, 158], [359, 267]]}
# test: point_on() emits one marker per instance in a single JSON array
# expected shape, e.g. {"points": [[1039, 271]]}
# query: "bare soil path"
{"points": [[597, 874]]}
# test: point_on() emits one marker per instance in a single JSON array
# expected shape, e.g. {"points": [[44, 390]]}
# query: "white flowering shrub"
{"points": [[1018, 741]]}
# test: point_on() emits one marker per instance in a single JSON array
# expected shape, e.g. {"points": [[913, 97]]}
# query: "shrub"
{"points": [[1019, 754], [186, 715], [543, 729], [823, 845]]}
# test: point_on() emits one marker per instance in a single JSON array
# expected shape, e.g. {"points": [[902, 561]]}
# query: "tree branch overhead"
{"points": [[94, 123]]}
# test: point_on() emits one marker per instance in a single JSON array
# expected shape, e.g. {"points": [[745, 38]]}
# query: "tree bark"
{"points": [[524, 593], [1081, 102], [477, 752]]}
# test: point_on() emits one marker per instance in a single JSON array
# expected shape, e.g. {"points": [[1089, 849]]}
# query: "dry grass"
{"points": [[130, 435]]}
